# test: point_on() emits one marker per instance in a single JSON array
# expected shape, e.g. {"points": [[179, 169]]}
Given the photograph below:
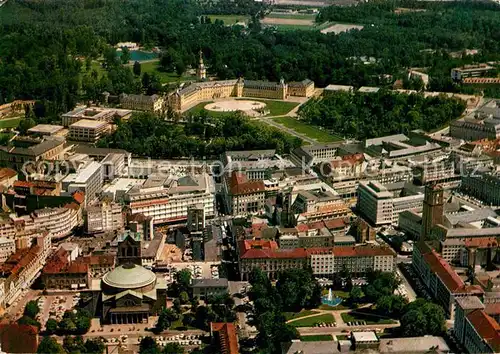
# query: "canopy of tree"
{"points": [[362, 116], [147, 135], [43, 44], [422, 317], [294, 290]]}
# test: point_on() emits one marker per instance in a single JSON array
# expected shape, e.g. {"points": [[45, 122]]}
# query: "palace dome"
{"points": [[129, 276]]}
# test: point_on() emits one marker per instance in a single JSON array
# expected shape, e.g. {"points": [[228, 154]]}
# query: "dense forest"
{"points": [[45, 46], [361, 115], [147, 135]]}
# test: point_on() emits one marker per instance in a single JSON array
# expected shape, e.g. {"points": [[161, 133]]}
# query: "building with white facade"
{"points": [[88, 179], [7, 247], [87, 130], [104, 216], [381, 206], [166, 200]]}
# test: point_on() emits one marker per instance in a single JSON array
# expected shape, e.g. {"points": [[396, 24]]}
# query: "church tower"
{"points": [[201, 72], [433, 209]]}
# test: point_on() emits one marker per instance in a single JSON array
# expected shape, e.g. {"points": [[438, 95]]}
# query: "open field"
{"points": [[229, 19], [295, 315], [311, 321], [154, 67], [341, 27], [312, 3], [306, 129], [316, 338], [9, 123], [287, 21]]}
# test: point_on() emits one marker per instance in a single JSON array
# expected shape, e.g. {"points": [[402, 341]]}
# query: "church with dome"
{"points": [[128, 294]]}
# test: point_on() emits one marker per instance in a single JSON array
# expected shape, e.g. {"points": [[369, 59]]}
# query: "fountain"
{"points": [[330, 300]]}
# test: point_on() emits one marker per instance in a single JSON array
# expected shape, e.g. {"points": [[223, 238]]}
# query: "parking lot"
{"points": [[54, 306], [16, 310], [199, 270]]}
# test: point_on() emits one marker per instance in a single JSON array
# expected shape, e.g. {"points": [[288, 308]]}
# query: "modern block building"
{"points": [[87, 130], [466, 71], [381, 206], [100, 114], [104, 216], [88, 179]]}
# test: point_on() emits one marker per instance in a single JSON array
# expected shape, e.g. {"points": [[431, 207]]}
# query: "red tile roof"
{"points": [[348, 160], [240, 185], [302, 227], [19, 260], [59, 263], [362, 251], [492, 309], [102, 259], [7, 173], [79, 197], [228, 339], [258, 249], [486, 327], [337, 223], [16, 338], [448, 276], [481, 242]]}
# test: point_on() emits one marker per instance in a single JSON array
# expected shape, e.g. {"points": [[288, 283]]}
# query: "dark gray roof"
{"points": [[252, 83], [210, 283], [305, 82]]}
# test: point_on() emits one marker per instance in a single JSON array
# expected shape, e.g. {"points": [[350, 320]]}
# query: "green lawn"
{"points": [[341, 337], [285, 28], [9, 123], [333, 308], [294, 315], [316, 338], [311, 321], [153, 67], [196, 109], [308, 130], [230, 19], [369, 318]]}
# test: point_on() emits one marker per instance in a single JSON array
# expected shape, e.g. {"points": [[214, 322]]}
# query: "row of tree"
{"points": [[147, 135], [295, 289], [360, 115]]}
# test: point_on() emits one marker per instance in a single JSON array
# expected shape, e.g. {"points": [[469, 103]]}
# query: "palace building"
{"points": [[201, 91]]}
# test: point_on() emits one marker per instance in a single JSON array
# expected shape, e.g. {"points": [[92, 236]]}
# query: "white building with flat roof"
{"points": [[166, 199], [88, 179], [104, 217], [87, 130], [45, 129], [380, 206]]}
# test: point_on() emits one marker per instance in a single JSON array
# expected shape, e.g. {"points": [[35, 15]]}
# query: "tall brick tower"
{"points": [[433, 209]]}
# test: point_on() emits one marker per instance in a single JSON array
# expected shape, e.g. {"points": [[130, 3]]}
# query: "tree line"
{"points": [[361, 116], [147, 135]]}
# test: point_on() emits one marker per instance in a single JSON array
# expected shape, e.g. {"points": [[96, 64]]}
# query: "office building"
{"points": [[467, 71], [100, 114], [87, 130], [381, 206], [166, 200], [243, 196], [88, 179], [104, 216]]}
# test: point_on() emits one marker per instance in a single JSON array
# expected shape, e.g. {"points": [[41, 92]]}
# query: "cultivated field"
{"points": [[275, 21]]}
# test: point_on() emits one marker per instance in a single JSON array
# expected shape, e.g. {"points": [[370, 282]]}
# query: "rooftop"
{"points": [[210, 283], [368, 336], [45, 129], [486, 327], [88, 123], [425, 344], [129, 276]]}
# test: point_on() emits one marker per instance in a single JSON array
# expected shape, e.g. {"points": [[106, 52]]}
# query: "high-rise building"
{"points": [[196, 218], [433, 208]]}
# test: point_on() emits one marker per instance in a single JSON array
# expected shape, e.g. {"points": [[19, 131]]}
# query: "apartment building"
{"points": [[482, 184], [87, 130], [442, 282], [31, 153], [101, 114], [471, 129], [268, 257], [324, 261], [58, 221], [152, 103], [166, 200], [381, 206], [467, 71], [7, 247], [104, 216], [244, 196], [21, 269], [474, 329], [88, 179]]}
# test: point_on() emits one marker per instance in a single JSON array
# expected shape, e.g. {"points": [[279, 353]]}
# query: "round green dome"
{"points": [[129, 276]]}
